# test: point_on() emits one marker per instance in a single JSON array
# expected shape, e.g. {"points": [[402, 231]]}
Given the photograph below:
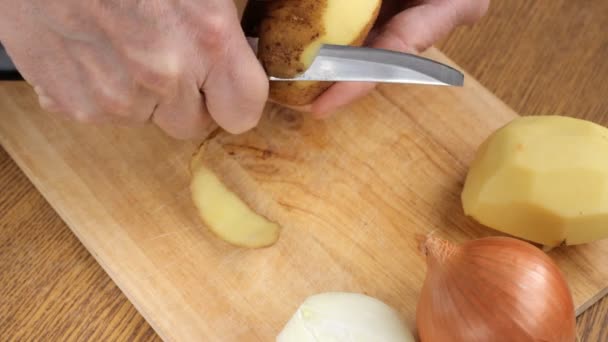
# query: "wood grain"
{"points": [[540, 57], [592, 326], [50, 287], [480, 50]]}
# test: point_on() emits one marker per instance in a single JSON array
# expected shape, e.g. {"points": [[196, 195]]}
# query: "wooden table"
{"points": [[540, 57]]}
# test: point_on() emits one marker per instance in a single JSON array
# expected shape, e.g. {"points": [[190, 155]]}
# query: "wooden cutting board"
{"points": [[354, 191]]}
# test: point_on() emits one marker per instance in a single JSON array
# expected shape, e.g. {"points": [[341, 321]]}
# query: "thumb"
{"points": [[413, 31], [416, 29]]}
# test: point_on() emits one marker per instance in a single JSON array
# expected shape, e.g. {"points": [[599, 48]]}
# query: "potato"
{"points": [[544, 179], [225, 214], [293, 31]]}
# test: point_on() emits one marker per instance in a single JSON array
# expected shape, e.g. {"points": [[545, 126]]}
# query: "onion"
{"points": [[493, 289], [344, 317]]}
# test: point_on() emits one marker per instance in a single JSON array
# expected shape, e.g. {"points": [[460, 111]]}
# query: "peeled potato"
{"points": [[293, 31], [543, 179], [224, 212]]}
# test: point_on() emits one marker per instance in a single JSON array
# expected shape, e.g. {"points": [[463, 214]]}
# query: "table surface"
{"points": [[540, 57]]}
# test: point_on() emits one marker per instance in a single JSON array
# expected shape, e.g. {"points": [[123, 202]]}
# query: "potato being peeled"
{"points": [[293, 31], [543, 179]]}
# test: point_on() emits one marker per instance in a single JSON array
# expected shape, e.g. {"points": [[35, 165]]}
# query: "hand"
{"points": [[411, 30], [179, 64]]}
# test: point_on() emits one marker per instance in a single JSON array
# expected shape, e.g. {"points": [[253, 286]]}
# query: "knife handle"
{"points": [[8, 71]]}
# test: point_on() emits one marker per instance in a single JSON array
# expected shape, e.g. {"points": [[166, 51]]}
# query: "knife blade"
{"points": [[337, 63]]}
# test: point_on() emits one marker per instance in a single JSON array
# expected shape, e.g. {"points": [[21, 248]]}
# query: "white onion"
{"points": [[344, 317]]}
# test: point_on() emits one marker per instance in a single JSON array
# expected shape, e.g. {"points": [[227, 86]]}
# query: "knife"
{"points": [[336, 63]]}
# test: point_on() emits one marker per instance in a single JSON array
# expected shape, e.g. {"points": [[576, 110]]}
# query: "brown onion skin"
{"points": [[493, 289]]}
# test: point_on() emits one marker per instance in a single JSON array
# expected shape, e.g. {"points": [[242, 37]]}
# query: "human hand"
{"points": [[412, 29], [179, 64]]}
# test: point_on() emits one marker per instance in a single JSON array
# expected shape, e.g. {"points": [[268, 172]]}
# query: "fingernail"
{"points": [[47, 103], [38, 90], [321, 113]]}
